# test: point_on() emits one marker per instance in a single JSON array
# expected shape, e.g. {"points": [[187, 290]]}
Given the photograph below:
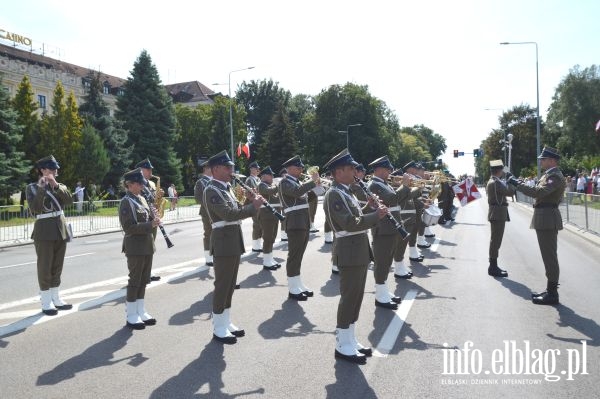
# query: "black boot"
{"points": [[550, 297], [494, 270]]}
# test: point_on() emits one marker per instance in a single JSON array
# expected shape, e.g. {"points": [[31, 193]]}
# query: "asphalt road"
{"points": [[504, 346]]}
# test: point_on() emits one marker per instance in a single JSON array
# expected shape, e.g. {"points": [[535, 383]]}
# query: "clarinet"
{"points": [[148, 197], [265, 202], [389, 215]]}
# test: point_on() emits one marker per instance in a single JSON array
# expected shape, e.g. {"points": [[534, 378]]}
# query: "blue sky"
{"points": [[437, 63]]}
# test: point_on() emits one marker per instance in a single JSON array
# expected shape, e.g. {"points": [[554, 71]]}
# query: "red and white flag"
{"points": [[466, 191], [246, 150]]}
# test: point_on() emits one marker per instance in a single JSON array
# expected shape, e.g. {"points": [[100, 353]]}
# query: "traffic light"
{"points": [[455, 153], [476, 153]]}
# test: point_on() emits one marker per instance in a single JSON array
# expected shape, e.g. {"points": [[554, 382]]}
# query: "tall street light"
{"points": [[347, 131], [537, 122], [231, 113]]}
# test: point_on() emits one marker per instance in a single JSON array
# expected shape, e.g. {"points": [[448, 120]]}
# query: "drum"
{"points": [[431, 215]]}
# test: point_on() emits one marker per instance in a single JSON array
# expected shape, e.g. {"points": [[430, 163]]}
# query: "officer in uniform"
{"points": [[138, 223], [226, 242], [201, 184], [385, 235], [422, 203], [294, 200], [445, 201], [497, 190], [47, 199], [353, 253], [269, 224], [252, 181], [150, 189], [548, 193]]}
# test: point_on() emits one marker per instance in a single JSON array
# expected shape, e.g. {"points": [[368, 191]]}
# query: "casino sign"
{"points": [[14, 37]]}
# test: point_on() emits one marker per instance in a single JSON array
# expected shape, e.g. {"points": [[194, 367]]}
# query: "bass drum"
{"points": [[431, 215]]}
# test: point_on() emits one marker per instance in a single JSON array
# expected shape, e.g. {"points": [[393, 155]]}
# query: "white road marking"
{"points": [[34, 262], [390, 335]]}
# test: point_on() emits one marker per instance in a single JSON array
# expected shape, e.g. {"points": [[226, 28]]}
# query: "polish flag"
{"points": [[246, 150], [466, 191], [239, 150]]}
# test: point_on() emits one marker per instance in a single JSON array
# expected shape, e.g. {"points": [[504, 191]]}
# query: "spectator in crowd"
{"points": [[172, 191], [581, 181]]}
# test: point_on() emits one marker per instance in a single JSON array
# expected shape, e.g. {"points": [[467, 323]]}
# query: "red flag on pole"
{"points": [[466, 191], [239, 149], [246, 150]]}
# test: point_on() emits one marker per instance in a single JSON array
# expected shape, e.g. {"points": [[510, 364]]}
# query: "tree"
{"points": [[147, 113], [301, 114], [280, 140], [61, 134], [414, 148], [13, 166], [574, 111], [260, 100], [94, 161], [114, 138], [340, 106], [25, 106]]}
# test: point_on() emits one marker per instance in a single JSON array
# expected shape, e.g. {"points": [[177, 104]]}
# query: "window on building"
{"points": [[42, 101], [106, 89]]}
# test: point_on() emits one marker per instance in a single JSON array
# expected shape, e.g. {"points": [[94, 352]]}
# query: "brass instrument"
{"points": [[241, 184], [159, 197], [153, 200]]}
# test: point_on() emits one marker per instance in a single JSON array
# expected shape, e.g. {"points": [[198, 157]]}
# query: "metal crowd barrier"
{"points": [[86, 218], [582, 210]]}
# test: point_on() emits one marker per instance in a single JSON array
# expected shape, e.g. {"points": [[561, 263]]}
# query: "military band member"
{"points": [[409, 215], [547, 220], [46, 200], [421, 203], [385, 235], [313, 202], [138, 223], [226, 242], [201, 184], [353, 255], [446, 200], [269, 224], [252, 181], [152, 190], [497, 190], [293, 196], [283, 234], [414, 254]]}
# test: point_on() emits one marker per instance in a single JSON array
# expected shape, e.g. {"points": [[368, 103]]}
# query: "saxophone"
{"points": [[159, 197]]}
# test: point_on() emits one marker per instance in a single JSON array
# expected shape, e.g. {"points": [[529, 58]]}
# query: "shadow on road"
{"points": [[350, 382], [289, 321], [97, 355], [203, 374]]}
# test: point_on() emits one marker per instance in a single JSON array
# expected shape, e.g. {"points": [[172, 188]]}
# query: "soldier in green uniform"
{"points": [[252, 181], [385, 235], [283, 234], [201, 184], [353, 253], [269, 224], [547, 220], [46, 200], [226, 242], [293, 197], [422, 203], [414, 254], [497, 190], [137, 222], [409, 218], [151, 191]]}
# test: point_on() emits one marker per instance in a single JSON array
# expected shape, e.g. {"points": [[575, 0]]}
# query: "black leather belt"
{"points": [[545, 205]]}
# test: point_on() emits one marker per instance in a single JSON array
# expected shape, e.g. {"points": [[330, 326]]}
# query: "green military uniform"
{"points": [[268, 221], [497, 191], [136, 218], [385, 235], [201, 184], [546, 221], [313, 203], [353, 254], [409, 219], [253, 182], [294, 200], [50, 234]]}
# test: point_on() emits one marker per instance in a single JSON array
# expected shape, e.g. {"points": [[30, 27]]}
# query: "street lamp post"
{"points": [[537, 108], [347, 131], [231, 112]]}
